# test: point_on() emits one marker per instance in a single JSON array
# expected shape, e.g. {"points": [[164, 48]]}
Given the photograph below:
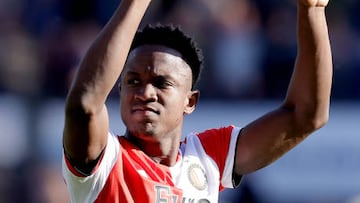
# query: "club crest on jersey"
{"points": [[197, 176]]}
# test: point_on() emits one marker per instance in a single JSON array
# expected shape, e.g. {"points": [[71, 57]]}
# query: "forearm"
{"points": [[309, 90], [104, 61]]}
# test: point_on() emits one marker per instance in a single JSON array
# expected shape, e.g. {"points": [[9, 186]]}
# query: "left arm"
{"points": [[306, 106]]}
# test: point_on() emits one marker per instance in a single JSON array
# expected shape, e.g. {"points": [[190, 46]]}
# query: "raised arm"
{"points": [[306, 106], [86, 117]]}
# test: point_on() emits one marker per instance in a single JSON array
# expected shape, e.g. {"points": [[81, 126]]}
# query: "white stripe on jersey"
{"points": [[87, 189]]}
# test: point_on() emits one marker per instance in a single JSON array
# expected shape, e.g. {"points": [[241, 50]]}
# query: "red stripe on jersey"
{"points": [[216, 144], [137, 178]]}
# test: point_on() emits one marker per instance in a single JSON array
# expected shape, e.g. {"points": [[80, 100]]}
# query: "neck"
{"points": [[163, 151]]}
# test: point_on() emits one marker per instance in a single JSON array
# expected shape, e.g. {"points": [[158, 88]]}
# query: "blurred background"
{"points": [[249, 49]]}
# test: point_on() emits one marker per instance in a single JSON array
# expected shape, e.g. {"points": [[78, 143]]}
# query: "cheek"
{"points": [[177, 104], [125, 96], [124, 103], [122, 110]]}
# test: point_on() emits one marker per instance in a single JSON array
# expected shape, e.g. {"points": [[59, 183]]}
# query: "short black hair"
{"points": [[174, 38]]}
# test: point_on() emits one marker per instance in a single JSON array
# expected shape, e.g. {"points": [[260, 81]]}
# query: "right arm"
{"points": [[86, 118]]}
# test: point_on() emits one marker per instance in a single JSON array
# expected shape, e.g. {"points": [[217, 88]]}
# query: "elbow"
{"points": [[77, 112], [308, 118], [313, 120], [80, 105], [319, 122]]}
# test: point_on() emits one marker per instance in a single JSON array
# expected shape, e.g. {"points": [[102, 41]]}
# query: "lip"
{"points": [[144, 109]]}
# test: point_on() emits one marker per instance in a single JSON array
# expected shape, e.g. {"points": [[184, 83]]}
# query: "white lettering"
{"points": [[164, 195]]}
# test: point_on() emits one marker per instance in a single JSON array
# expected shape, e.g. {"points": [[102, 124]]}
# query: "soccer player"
{"points": [[158, 68]]}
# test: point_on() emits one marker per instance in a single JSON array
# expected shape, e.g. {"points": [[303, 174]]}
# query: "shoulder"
{"points": [[217, 131], [218, 134], [213, 139]]}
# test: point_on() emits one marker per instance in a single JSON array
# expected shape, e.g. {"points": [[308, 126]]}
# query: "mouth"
{"points": [[144, 110]]}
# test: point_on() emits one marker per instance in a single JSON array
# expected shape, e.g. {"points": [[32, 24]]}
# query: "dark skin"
{"points": [[153, 105], [155, 94]]}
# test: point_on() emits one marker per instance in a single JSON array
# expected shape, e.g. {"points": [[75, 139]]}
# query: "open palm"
{"points": [[314, 2]]}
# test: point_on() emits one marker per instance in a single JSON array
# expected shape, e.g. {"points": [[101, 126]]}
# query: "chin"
{"points": [[143, 131]]}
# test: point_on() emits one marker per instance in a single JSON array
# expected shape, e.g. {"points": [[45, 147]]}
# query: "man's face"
{"points": [[155, 92]]}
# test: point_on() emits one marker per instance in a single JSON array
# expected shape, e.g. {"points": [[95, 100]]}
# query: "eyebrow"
{"points": [[132, 73], [137, 73]]}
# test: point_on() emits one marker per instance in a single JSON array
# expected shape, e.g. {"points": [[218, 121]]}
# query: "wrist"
{"points": [[309, 8], [309, 4]]}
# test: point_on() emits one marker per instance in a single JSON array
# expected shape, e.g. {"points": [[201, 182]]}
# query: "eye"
{"points": [[162, 82], [132, 81]]}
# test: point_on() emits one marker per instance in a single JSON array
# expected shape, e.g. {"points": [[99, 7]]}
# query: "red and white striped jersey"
{"points": [[126, 174]]}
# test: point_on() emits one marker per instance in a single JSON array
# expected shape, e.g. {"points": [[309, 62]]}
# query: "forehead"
{"points": [[156, 57]]}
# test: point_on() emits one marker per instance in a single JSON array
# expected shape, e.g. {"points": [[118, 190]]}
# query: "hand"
{"points": [[314, 3]]}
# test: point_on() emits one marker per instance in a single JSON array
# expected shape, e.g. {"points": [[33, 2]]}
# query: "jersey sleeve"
{"points": [[220, 145], [86, 188]]}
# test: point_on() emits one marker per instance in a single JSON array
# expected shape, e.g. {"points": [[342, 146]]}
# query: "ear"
{"points": [[192, 100]]}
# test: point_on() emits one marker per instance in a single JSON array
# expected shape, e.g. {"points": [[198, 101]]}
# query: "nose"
{"points": [[146, 93]]}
